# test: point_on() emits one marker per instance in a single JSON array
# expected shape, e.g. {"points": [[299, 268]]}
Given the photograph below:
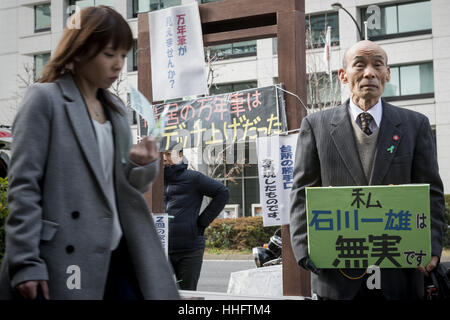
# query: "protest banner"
{"points": [[356, 227], [222, 119], [161, 221], [276, 156], [177, 54]]}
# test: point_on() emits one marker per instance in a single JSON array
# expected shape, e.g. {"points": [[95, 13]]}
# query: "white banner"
{"points": [[177, 56], [162, 228], [276, 158]]}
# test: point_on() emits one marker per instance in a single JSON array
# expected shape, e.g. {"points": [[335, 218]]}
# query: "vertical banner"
{"points": [[360, 226], [162, 228], [276, 157], [177, 54]]}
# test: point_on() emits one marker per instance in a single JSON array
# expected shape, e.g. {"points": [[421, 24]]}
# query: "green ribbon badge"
{"points": [[390, 149]]}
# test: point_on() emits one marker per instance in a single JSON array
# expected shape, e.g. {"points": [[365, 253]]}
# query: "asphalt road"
{"points": [[215, 274]]}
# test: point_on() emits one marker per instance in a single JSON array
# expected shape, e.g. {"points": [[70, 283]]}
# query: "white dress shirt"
{"points": [[376, 112]]}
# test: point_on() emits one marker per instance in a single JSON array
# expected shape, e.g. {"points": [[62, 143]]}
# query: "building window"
{"points": [[239, 172], [42, 18], [400, 20], [40, 60], [90, 3], [322, 91], [135, 55], [233, 50], [410, 82], [140, 6], [232, 87], [316, 29]]}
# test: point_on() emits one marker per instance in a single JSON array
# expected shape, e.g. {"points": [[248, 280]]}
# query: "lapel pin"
{"points": [[395, 137], [390, 149]]}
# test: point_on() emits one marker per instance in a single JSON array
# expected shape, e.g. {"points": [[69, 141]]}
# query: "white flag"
{"points": [[326, 51]]}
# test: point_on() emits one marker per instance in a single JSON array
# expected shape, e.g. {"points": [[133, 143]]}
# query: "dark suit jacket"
{"points": [[327, 156]]}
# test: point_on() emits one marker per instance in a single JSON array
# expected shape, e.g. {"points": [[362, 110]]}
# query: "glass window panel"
{"points": [[251, 192], [219, 89], [135, 55], [392, 88], [410, 79], [84, 3], [251, 168], [169, 3], [426, 78], [244, 47], [402, 18], [414, 16], [109, 3], [316, 28], [235, 188], [389, 20], [417, 79], [40, 61], [90, 3], [244, 85], [231, 87], [221, 50], [42, 17]]}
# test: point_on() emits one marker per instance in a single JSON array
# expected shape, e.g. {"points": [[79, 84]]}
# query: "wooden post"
{"points": [[228, 21], [155, 196], [292, 72]]}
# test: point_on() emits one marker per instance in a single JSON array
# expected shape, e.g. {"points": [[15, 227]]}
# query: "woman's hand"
{"points": [[145, 151], [29, 289]]}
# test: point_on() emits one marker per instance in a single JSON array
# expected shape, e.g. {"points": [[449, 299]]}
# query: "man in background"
{"points": [[184, 190]]}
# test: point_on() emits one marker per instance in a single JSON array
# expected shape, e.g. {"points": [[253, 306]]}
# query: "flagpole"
{"points": [[328, 58]]}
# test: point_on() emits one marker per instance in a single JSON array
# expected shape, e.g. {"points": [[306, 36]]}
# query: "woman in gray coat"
{"points": [[79, 227]]}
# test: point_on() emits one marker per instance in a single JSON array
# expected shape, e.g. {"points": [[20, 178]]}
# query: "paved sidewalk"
{"points": [[235, 256]]}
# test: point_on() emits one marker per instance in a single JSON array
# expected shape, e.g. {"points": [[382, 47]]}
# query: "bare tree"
{"points": [[211, 58], [24, 79]]}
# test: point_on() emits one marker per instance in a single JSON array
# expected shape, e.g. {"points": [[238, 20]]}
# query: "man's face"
{"points": [[366, 71], [170, 158]]}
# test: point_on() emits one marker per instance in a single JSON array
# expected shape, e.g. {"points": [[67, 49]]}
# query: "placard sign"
{"points": [[161, 221], [356, 227]]}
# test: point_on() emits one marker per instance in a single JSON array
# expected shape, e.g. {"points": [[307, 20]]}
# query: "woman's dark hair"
{"points": [[92, 29]]}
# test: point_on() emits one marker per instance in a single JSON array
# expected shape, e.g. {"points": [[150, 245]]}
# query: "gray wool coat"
{"points": [[60, 215]]}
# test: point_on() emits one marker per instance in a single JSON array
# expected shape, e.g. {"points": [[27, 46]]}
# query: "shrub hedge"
{"points": [[238, 234]]}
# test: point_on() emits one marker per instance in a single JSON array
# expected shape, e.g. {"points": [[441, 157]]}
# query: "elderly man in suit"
{"points": [[347, 146]]}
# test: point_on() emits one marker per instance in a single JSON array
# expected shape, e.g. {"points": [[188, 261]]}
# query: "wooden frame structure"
{"points": [[228, 21]]}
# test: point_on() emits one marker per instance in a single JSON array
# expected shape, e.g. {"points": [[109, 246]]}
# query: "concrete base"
{"points": [[265, 281]]}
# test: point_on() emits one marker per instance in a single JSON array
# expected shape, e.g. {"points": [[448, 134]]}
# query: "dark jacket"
{"points": [[183, 195]]}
